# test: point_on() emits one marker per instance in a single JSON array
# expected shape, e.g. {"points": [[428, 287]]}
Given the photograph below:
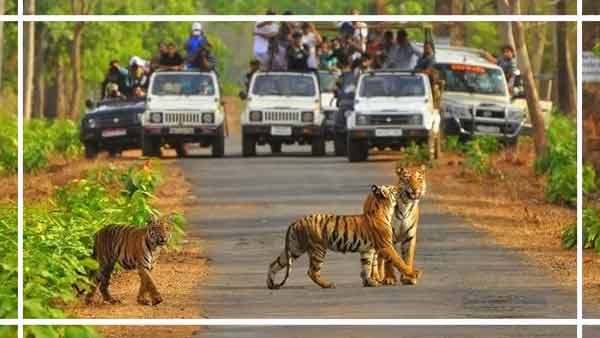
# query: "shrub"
{"points": [[8, 261], [415, 155], [43, 138], [478, 155]]}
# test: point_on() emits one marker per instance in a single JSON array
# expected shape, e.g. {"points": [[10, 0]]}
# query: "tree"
{"points": [[565, 76], [2, 9], [455, 31], [29, 58], [531, 92]]}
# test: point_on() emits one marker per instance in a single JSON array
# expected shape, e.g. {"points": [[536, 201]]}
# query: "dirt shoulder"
{"points": [[511, 208]]}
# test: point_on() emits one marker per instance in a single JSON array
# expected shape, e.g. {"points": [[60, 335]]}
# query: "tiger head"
{"points": [[159, 231], [412, 181], [385, 194]]}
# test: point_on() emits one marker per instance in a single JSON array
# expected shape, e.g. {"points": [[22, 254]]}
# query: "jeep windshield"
{"points": [[183, 84], [473, 79], [327, 81], [391, 85], [284, 85]]}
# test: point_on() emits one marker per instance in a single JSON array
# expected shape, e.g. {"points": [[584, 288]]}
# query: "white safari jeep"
{"points": [[392, 109], [283, 108], [183, 107], [476, 100]]}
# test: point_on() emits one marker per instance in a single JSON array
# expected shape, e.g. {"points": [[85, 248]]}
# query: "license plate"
{"points": [[388, 132], [114, 132], [488, 129], [181, 131], [281, 131]]}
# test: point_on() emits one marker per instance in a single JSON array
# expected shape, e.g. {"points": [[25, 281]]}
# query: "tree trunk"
{"points": [[29, 70], [76, 70], [565, 78], [39, 82], [455, 32], [533, 101], [539, 45], [380, 7], [61, 107], [503, 8], [2, 10]]}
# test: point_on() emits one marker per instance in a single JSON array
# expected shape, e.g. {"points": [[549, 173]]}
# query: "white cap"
{"points": [[196, 27]]}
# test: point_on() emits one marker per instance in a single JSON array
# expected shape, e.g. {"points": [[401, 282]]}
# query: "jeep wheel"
{"points": [[340, 144], [358, 150], [113, 152], [91, 150], [180, 150], [248, 146], [276, 147], [218, 147], [150, 146], [318, 145]]}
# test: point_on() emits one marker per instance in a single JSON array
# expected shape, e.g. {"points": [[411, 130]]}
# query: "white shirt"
{"points": [[310, 40], [261, 45]]}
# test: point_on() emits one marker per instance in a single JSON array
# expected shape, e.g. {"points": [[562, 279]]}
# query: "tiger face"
{"points": [[385, 193], [413, 181], [159, 231]]}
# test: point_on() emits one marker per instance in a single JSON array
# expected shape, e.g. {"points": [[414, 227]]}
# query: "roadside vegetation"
{"points": [[44, 139], [59, 235]]}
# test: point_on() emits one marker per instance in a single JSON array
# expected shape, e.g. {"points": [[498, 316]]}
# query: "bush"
{"points": [[8, 261], [415, 155], [478, 155], [560, 161], [8, 145], [59, 235], [43, 138], [452, 144]]}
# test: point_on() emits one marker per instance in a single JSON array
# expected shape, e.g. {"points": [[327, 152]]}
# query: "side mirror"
{"points": [[243, 95], [90, 104]]}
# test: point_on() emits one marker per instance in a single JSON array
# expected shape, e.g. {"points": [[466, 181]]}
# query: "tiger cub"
{"points": [[133, 248], [412, 187], [366, 233]]}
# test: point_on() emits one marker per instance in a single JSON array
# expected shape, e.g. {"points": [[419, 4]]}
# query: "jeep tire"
{"points": [[318, 144], [218, 147], [248, 145], [150, 146], [276, 147], [340, 143], [91, 150], [358, 150]]}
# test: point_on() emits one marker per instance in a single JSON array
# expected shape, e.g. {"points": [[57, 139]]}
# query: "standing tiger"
{"points": [[412, 187], [367, 233], [133, 248]]}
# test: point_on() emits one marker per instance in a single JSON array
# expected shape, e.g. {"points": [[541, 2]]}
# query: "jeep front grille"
{"points": [[489, 113], [182, 118], [281, 116], [390, 119]]}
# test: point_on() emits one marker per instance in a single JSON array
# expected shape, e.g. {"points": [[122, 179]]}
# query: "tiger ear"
{"points": [[423, 167], [399, 171], [376, 191]]}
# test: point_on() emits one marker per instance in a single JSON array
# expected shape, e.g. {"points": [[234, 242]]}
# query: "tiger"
{"points": [[133, 248], [412, 186], [367, 233]]}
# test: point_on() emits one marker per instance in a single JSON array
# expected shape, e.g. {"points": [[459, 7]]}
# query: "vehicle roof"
{"points": [[393, 71], [187, 72], [462, 55], [262, 72]]}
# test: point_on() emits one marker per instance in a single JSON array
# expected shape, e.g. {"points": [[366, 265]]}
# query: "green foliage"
{"points": [[8, 331], [8, 261], [591, 231], [478, 155], [452, 144], [589, 180], [44, 138], [60, 332], [8, 145], [415, 155], [560, 161], [58, 235]]}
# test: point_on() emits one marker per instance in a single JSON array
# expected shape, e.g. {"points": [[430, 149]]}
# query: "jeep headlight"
{"points": [[416, 120], [208, 117], [308, 116], [255, 116], [91, 122], [156, 117], [362, 119], [515, 114]]}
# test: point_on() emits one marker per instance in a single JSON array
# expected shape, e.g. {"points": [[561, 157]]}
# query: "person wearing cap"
{"points": [[297, 54], [138, 74], [401, 55], [264, 33], [196, 40], [116, 75], [172, 60]]}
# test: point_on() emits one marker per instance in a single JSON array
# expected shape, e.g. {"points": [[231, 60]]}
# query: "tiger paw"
{"points": [[112, 301], [411, 279], [329, 285], [157, 300], [370, 282], [389, 281], [143, 301]]}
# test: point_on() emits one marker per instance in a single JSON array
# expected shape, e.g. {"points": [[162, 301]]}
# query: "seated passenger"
{"points": [[507, 62], [112, 92], [254, 67], [115, 75], [138, 92], [171, 60], [297, 54], [155, 62], [401, 54], [427, 59], [138, 73], [203, 60]]}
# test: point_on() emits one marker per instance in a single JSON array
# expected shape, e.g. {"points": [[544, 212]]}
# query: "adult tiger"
{"points": [[412, 187], [133, 248], [365, 233]]}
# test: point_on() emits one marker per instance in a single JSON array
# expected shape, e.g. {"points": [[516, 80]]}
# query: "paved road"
{"points": [[244, 205], [390, 332]]}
